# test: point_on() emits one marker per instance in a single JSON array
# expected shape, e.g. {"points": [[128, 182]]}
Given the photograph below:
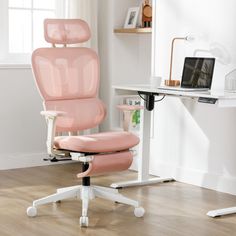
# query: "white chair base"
{"points": [[86, 193], [222, 212]]}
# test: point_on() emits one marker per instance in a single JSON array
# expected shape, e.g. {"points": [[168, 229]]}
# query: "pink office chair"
{"points": [[68, 80]]}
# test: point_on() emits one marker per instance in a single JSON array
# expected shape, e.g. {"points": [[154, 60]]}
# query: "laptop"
{"points": [[197, 75]]}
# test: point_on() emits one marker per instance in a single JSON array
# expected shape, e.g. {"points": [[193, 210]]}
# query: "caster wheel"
{"points": [[31, 211], [139, 211], [84, 221]]}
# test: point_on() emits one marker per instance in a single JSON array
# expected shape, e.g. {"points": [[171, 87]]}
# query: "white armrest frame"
{"points": [[51, 117]]}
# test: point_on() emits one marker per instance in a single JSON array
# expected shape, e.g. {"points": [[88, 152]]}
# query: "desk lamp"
{"points": [[171, 82]]}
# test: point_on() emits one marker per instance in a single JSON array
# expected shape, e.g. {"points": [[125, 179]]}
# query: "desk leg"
{"points": [[144, 150], [222, 212]]}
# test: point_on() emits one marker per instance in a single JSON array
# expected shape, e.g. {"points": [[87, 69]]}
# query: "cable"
{"points": [[160, 99], [140, 95]]}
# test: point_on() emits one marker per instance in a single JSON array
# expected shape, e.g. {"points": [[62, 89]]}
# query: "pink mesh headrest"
{"points": [[66, 31]]}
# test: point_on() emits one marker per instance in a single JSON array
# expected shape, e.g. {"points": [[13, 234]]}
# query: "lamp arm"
{"points": [[172, 53]]}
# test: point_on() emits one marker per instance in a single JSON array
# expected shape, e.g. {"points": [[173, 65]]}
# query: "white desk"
{"points": [[223, 100]]}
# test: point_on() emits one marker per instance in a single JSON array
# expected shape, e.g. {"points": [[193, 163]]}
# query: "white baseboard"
{"points": [[14, 161], [226, 184], [221, 183]]}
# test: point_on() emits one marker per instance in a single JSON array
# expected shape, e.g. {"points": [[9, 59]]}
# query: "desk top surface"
{"points": [[218, 94]]}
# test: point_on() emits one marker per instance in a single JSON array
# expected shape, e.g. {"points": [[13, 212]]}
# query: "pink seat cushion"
{"points": [[97, 143]]}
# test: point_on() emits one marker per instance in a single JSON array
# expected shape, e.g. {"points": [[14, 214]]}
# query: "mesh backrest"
{"points": [[81, 114], [66, 73], [68, 78]]}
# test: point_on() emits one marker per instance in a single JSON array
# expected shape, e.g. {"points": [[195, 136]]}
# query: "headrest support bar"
{"points": [[66, 31]]}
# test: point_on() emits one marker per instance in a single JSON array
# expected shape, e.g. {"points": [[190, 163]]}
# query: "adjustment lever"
{"points": [[54, 159]]}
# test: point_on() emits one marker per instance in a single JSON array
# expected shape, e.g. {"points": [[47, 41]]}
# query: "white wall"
{"points": [[195, 142], [22, 136], [125, 58]]}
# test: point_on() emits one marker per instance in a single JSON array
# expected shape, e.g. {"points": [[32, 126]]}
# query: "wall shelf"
{"points": [[134, 31]]}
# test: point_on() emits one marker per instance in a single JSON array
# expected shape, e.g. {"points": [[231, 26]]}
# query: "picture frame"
{"points": [[132, 18]]}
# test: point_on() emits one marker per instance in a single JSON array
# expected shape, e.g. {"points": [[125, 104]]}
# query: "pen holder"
{"points": [[155, 81]]}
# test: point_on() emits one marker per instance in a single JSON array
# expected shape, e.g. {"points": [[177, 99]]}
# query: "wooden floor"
{"points": [[171, 209]]}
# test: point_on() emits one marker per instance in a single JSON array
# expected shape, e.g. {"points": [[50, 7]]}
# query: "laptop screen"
{"points": [[197, 72]]}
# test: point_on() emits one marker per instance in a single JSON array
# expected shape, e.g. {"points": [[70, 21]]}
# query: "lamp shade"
{"points": [[190, 38]]}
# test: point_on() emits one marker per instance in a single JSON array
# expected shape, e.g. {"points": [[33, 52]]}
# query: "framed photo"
{"points": [[131, 18]]}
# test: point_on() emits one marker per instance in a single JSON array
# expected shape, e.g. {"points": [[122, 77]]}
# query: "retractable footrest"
{"points": [[105, 163]]}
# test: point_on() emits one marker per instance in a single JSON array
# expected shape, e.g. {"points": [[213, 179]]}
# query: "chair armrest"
{"points": [[51, 117], [52, 113]]}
